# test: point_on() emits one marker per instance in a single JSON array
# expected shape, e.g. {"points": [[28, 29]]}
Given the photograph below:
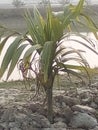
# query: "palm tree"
{"points": [[44, 39]]}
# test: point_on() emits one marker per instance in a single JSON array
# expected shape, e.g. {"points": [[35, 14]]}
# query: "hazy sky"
{"points": [[10, 1], [6, 1]]}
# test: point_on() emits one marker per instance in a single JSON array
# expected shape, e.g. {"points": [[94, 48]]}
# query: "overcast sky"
{"points": [[10, 1], [5, 1]]}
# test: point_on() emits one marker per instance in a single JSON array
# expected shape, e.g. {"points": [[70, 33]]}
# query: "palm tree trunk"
{"points": [[49, 96], [49, 104]]}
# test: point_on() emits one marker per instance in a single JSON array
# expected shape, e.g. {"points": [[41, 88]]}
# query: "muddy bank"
{"points": [[73, 108]]}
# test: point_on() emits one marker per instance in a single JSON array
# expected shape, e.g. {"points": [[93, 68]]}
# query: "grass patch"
{"points": [[62, 82], [12, 84]]}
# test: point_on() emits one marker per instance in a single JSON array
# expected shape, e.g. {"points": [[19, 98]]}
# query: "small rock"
{"points": [[53, 129], [57, 119], [14, 118], [11, 124], [59, 125], [86, 101], [95, 85], [34, 107], [71, 101], [82, 108], [67, 114], [1, 127], [67, 100], [96, 128], [76, 129], [37, 107], [85, 95], [63, 114], [82, 120], [8, 114], [31, 121], [96, 100], [15, 128], [94, 105], [81, 91]]}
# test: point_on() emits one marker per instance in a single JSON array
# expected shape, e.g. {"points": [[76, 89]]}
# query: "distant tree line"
{"points": [[19, 3]]}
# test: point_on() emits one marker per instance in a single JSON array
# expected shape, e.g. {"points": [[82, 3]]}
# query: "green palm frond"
{"points": [[15, 58], [35, 26], [28, 54], [90, 24], [3, 42], [47, 58], [45, 36], [48, 27], [72, 13], [9, 54]]}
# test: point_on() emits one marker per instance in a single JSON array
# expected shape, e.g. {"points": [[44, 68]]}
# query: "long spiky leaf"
{"points": [[9, 54], [15, 59]]}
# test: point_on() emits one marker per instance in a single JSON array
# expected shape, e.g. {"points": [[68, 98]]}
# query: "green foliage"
{"points": [[17, 3], [9, 55], [44, 35]]}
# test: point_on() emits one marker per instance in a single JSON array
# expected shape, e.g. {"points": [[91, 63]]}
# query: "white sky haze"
{"points": [[27, 1]]}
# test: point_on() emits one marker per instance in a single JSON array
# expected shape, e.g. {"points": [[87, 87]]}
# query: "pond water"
{"points": [[91, 57]]}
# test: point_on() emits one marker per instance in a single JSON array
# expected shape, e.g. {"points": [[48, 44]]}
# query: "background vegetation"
{"points": [[14, 18]]}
